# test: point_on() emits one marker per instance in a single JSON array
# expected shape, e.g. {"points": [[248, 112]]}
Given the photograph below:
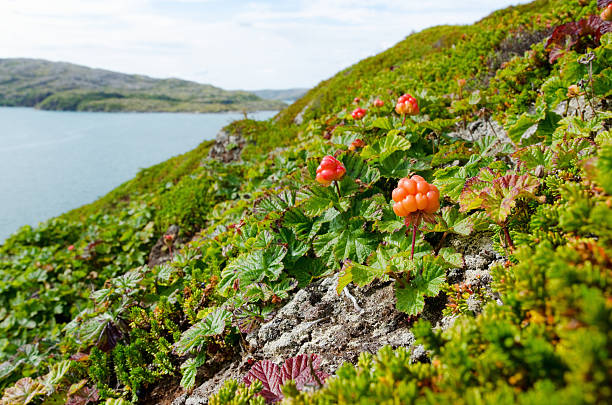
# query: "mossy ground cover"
{"points": [[84, 319]]}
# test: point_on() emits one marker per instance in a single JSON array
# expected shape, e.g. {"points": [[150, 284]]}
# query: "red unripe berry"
{"points": [[358, 113], [407, 105], [322, 181], [378, 103], [329, 170], [328, 162], [461, 82], [356, 100], [327, 174], [71, 248]]}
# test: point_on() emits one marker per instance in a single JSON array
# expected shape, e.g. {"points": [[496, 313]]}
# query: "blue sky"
{"points": [[228, 43]]}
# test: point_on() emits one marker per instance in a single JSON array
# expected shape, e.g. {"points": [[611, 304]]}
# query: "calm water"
{"points": [[51, 162]]}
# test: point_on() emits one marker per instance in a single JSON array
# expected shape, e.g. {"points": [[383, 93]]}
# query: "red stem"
{"points": [[508, 238], [337, 188], [414, 232]]}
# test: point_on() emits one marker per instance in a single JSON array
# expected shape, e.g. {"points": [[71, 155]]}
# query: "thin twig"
{"points": [[440, 243], [492, 128]]}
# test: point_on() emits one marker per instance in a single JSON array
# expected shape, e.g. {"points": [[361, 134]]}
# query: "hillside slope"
{"points": [[65, 86], [286, 94], [214, 270]]}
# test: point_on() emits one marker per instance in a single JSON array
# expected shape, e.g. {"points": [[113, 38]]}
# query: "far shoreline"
{"points": [[145, 112]]}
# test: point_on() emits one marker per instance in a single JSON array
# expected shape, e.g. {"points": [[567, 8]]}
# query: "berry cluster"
{"points": [[407, 105], [358, 113], [329, 170], [378, 103], [415, 194]]}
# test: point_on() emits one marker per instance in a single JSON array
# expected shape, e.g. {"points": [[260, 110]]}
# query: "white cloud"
{"points": [[231, 44]]}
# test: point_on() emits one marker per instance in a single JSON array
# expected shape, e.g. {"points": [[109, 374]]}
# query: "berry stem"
{"points": [[337, 188], [508, 238], [404, 119], [580, 109], [414, 232]]}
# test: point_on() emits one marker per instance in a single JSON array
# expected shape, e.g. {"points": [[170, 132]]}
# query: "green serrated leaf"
{"points": [[337, 245], [409, 300], [385, 147], [452, 258], [307, 269], [254, 267], [356, 168], [302, 225], [363, 275], [316, 200], [431, 278], [189, 370], [517, 128], [400, 164], [372, 209], [454, 221], [382, 123], [197, 335]]}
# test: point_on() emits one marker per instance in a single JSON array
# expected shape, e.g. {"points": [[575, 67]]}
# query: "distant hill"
{"points": [[69, 87], [282, 95]]}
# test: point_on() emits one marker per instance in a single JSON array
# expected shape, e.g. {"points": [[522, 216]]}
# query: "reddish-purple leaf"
{"points": [[269, 374], [577, 35], [299, 369], [497, 195], [303, 369]]}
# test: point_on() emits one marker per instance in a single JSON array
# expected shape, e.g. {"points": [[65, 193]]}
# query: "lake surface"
{"points": [[52, 162]]}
